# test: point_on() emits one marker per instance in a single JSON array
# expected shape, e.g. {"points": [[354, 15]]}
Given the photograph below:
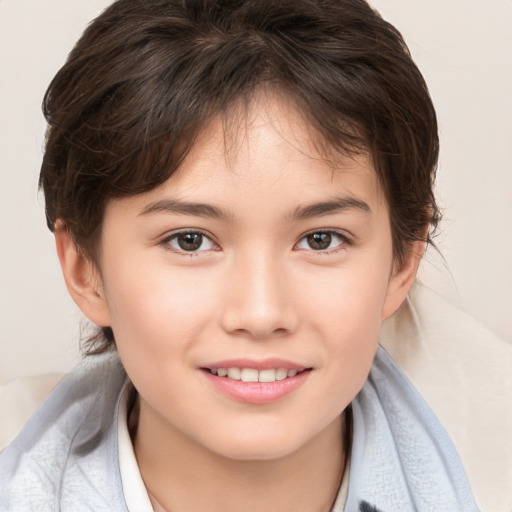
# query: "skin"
{"points": [[256, 289]]}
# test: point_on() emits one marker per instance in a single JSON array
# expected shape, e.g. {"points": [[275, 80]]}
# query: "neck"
{"points": [[182, 476]]}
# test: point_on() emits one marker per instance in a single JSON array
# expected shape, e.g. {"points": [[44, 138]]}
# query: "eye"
{"points": [[322, 241], [190, 241]]}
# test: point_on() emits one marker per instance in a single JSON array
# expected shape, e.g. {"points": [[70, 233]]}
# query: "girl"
{"points": [[240, 193]]}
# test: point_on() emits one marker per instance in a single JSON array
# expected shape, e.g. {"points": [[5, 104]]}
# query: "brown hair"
{"points": [[147, 75]]}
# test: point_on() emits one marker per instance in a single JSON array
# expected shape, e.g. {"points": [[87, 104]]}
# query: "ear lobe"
{"points": [[82, 279], [402, 279]]}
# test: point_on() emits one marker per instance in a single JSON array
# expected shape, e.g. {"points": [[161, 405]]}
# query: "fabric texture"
{"points": [[402, 459], [135, 494], [19, 399], [66, 458], [464, 372]]}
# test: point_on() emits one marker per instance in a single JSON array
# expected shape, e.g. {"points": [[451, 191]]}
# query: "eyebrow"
{"points": [[185, 208], [302, 212], [329, 207]]}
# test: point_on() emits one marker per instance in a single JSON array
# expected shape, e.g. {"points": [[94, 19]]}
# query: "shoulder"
{"points": [[462, 370], [71, 435], [19, 399], [402, 459]]}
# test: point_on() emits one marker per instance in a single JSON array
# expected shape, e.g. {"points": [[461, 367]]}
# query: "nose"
{"points": [[259, 299]]}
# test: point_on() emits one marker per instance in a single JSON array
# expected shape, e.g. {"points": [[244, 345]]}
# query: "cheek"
{"points": [[156, 310], [348, 315], [348, 299]]}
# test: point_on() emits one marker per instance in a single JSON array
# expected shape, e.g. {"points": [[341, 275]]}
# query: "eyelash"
{"points": [[344, 241], [166, 242]]}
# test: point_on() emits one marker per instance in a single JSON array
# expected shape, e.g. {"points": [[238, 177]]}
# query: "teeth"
{"points": [[267, 376], [253, 375], [234, 373], [281, 374], [249, 375]]}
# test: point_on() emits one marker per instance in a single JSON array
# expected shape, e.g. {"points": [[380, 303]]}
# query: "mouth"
{"points": [[269, 382], [267, 375]]}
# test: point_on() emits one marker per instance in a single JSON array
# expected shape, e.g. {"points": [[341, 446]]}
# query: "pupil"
{"points": [[319, 241], [190, 241]]}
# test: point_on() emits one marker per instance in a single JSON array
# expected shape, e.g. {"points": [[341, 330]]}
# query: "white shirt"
{"points": [[134, 490]]}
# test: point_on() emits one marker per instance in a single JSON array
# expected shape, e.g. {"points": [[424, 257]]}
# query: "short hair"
{"points": [[147, 75]]}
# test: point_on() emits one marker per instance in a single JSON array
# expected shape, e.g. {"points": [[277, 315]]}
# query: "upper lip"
{"points": [[263, 364]]}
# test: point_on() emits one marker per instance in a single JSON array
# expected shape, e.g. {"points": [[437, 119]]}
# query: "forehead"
{"points": [[265, 141], [263, 156]]}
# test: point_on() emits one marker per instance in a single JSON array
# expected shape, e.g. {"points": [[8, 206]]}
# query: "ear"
{"points": [[82, 278], [402, 279]]}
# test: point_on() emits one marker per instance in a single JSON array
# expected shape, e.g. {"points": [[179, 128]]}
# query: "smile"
{"points": [[241, 381], [254, 375]]}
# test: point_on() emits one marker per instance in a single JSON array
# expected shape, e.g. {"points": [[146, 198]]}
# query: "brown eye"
{"points": [[189, 241], [319, 241], [322, 241]]}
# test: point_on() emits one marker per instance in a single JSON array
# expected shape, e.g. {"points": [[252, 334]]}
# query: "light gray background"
{"points": [[463, 47]]}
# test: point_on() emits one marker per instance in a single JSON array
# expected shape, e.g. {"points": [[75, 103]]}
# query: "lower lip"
{"points": [[257, 392]]}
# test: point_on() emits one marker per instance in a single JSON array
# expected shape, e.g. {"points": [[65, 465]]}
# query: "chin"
{"points": [[258, 451], [261, 442]]}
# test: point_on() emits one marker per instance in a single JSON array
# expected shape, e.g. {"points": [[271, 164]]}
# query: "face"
{"points": [[257, 261]]}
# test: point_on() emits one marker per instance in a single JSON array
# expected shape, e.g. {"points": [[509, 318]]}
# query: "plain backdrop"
{"points": [[464, 49]]}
